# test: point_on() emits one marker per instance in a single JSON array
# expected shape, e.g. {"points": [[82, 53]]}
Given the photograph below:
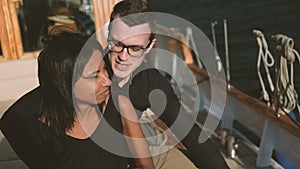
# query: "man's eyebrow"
{"points": [[118, 41]]}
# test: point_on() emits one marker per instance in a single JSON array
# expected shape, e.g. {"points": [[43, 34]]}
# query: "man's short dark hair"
{"points": [[134, 12]]}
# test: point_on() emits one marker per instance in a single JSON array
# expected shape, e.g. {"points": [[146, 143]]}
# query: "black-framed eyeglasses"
{"points": [[133, 50]]}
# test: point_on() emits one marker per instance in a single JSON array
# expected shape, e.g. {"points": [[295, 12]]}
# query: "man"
{"points": [[130, 39]]}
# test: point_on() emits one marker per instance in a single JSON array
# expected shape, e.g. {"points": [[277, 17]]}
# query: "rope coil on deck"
{"points": [[266, 57], [285, 95]]}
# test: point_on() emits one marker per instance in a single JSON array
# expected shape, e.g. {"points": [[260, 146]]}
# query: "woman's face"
{"points": [[93, 84]]}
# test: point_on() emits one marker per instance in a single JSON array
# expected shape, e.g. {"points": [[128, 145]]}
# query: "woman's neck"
{"points": [[86, 121]]}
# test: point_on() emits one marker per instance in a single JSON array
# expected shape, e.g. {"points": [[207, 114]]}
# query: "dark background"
{"points": [[270, 16]]}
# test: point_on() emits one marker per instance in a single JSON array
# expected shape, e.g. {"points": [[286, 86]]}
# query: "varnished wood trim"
{"points": [[258, 106], [16, 27], [186, 51], [268, 112], [10, 31], [102, 10]]}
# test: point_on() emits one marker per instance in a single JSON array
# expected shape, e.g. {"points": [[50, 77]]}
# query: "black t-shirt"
{"points": [[21, 127], [145, 80]]}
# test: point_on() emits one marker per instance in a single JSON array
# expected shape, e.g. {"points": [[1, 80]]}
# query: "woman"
{"points": [[60, 118], [70, 109]]}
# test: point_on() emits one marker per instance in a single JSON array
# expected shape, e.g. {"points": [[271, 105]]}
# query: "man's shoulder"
{"points": [[145, 70]]}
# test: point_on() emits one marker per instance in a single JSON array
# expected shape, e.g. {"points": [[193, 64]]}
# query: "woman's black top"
{"points": [[18, 123], [21, 127]]}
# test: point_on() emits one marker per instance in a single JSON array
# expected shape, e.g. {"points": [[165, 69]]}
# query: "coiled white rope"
{"points": [[264, 56], [285, 95]]}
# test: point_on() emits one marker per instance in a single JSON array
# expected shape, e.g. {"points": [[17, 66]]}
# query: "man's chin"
{"points": [[121, 75]]}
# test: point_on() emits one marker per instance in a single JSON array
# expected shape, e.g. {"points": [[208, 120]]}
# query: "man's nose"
{"points": [[123, 55]]}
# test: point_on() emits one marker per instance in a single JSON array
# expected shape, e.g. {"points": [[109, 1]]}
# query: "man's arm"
{"points": [[205, 155], [136, 140]]}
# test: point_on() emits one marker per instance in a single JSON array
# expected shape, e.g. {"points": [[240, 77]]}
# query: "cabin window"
{"points": [[37, 17], [24, 22]]}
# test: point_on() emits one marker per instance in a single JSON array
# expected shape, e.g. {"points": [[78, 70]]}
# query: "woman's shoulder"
{"points": [[27, 107]]}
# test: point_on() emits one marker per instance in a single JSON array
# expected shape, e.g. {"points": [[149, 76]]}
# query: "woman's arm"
{"points": [[134, 135]]}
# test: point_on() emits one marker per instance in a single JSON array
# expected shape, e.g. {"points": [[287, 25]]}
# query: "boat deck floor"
{"points": [[245, 157], [246, 154]]}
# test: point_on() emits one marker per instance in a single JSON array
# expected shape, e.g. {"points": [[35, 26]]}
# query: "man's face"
{"points": [[123, 64]]}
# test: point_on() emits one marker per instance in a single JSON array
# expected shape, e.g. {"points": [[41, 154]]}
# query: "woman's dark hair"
{"points": [[60, 65]]}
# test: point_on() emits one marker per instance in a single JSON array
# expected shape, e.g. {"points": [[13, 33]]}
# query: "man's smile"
{"points": [[121, 66]]}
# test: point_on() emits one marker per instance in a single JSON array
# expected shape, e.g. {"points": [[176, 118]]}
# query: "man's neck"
{"points": [[122, 82]]}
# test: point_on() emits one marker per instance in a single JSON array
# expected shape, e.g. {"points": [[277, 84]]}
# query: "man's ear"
{"points": [[151, 45]]}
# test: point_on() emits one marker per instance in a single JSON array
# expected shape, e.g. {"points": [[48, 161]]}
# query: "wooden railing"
{"points": [[275, 133]]}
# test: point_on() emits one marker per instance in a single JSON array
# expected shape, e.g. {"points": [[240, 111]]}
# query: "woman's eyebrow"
{"points": [[92, 73], [95, 72]]}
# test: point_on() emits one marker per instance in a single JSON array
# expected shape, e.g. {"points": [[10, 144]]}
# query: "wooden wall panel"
{"points": [[10, 31], [102, 10]]}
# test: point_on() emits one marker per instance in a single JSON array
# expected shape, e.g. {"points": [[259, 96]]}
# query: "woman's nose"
{"points": [[106, 80]]}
